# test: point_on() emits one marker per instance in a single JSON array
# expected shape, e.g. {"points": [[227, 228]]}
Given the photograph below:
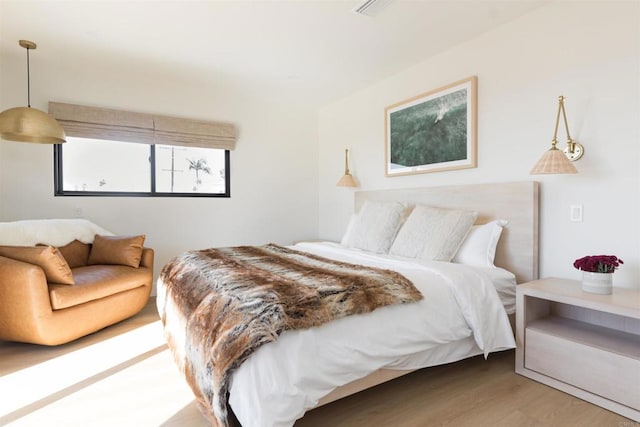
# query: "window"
{"points": [[120, 153], [93, 167], [191, 170]]}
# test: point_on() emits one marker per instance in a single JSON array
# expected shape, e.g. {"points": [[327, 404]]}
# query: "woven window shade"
{"points": [[103, 123], [194, 133]]}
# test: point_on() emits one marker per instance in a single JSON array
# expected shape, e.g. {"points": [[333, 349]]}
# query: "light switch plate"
{"points": [[575, 213]]}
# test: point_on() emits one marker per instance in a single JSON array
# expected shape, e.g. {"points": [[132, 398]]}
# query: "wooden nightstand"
{"points": [[584, 344]]}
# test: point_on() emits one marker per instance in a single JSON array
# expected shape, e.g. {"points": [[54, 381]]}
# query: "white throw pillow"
{"points": [[433, 233], [479, 247], [375, 226]]}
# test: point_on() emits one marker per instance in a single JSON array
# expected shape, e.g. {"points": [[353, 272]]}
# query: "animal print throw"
{"points": [[220, 305]]}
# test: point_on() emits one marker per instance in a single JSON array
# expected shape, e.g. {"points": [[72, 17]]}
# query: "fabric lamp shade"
{"points": [[347, 180], [553, 161]]}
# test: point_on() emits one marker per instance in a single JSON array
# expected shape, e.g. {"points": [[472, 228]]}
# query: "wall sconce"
{"points": [[347, 179], [26, 124], [555, 161]]}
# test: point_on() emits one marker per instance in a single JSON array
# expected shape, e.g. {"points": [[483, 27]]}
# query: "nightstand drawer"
{"points": [[598, 370]]}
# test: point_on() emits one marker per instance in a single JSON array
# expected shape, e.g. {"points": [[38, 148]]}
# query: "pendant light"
{"points": [[26, 124]]}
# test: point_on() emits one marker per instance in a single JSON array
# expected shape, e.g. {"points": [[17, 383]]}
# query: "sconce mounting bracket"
{"points": [[578, 151]]}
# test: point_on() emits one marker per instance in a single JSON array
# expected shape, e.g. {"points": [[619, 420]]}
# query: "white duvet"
{"points": [[283, 379]]}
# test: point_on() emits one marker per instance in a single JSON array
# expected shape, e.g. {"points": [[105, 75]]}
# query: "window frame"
{"points": [[58, 180]]}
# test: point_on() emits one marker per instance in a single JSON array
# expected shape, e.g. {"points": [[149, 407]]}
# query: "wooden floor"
{"points": [[124, 376]]}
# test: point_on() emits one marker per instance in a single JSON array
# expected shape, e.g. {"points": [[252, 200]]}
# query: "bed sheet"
{"points": [[282, 379], [505, 284]]}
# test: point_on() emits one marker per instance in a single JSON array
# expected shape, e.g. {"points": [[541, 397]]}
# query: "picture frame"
{"points": [[434, 131]]}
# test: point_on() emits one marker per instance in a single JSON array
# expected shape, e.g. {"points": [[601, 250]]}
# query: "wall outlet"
{"points": [[77, 212]]}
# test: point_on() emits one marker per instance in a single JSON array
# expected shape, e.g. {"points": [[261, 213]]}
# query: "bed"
{"points": [[305, 368]]}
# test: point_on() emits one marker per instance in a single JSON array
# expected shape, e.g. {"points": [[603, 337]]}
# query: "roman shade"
{"points": [[117, 125]]}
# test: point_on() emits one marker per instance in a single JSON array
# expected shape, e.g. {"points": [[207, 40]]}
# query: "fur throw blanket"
{"points": [[220, 305], [54, 232]]}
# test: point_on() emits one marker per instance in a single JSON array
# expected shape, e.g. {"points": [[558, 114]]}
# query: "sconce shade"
{"points": [[347, 179], [553, 161], [25, 124]]}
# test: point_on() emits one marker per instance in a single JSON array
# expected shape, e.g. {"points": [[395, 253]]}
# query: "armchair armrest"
{"points": [[24, 298], [147, 258]]}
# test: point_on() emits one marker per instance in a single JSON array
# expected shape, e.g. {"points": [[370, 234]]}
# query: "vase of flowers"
{"points": [[597, 272]]}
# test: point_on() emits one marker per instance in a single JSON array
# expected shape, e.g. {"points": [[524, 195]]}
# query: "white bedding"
{"points": [[460, 315], [505, 284]]}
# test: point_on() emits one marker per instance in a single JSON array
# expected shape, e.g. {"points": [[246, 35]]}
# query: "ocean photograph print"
{"points": [[434, 131]]}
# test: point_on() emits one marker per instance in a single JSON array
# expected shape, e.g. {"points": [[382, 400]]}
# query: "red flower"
{"points": [[598, 263]]}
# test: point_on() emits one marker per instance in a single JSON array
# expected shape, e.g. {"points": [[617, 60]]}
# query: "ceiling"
{"points": [[319, 49]]}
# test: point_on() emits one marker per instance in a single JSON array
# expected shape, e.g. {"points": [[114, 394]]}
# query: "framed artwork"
{"points": [[434, 131]]}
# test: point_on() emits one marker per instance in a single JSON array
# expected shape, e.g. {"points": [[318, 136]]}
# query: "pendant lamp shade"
{"points": [[26, 124]]}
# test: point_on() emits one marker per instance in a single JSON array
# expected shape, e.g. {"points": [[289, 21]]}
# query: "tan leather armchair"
{"points": [[34, 311]]}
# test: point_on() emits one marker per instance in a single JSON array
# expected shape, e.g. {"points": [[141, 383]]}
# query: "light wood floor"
{"points": [[124, 376]]}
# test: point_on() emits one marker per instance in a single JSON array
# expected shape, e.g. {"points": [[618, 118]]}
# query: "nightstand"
{"points": [[584, 344]]}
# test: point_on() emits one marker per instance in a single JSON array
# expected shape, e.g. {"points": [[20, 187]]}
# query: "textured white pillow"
{"points": [[433, 233], [479, 247], [375, 226]]}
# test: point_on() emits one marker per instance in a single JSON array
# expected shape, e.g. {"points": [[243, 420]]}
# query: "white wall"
{"points": [[273, 169], [587, 51], [287, 162]]}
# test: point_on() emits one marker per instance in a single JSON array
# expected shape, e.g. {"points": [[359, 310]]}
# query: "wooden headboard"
{"points": [[516, 202]]}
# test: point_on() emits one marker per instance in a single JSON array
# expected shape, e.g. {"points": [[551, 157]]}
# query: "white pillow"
{"points": [[479, 247], [375, 226], [433, 233], [348, 231]]}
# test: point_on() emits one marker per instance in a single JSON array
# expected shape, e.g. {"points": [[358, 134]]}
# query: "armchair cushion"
{"points": [[95, 282], [55, 267], [76, 253], [118, 250]]}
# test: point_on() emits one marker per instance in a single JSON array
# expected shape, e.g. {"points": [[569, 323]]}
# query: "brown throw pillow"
{"points": [[119, 250], [76, 253], [48, 258]]}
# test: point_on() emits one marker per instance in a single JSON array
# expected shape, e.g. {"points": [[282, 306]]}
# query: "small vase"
{"points": [[597, 283]]}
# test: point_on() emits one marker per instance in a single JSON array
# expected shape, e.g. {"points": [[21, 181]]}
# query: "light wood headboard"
{"points": [[516, 202]]}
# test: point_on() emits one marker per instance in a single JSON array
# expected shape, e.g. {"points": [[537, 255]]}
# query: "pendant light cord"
{"points": [[28, 82]]}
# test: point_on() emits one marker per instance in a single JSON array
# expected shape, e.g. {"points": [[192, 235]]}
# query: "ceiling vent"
{"points": [[371, 7]]}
